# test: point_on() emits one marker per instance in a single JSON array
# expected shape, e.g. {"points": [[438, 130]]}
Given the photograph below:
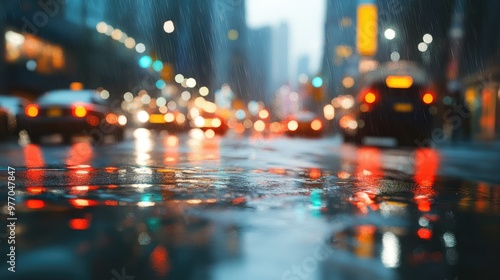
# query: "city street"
{"points": [[256, 207], [249, 139]]}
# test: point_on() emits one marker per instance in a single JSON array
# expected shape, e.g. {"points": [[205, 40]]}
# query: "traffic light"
{"points": [[145, 61], [316, 89], [317, 82], [157, 65]]}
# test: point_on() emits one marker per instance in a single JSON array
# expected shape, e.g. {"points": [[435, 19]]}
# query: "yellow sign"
{"points": [[399, 81], [76, 86], [54, 112], [403, 107], [157, 118], [367, 29]]}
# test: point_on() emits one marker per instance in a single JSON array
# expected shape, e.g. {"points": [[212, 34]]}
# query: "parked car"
{"points": [[72, 112]]}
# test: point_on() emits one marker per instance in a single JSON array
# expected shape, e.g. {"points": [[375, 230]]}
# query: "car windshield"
{"points": [[12, 104], [66, 97]]}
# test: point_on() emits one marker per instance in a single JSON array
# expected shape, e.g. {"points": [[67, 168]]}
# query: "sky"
{"points": [[306, 19]]}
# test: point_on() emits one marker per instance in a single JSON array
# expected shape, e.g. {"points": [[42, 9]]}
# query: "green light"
{"points": [[145, 61], [157, 66], [160, 84], [315, 198], [317, 82]]}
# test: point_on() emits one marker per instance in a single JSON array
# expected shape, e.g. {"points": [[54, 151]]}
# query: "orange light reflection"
{"points": [[80, 154], [33, 159], [79, 224], [160, 261], [426, 166]]}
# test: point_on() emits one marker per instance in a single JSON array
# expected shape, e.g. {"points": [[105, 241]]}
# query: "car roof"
{"points": [[11, 103], [67, 96], [303, 116], [400, 68]]}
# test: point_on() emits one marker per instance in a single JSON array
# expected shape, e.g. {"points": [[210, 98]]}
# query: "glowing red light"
{"points": [[315, 173], [79, 111], [370, 97], [79, 224], [160, 261], [111, 203], [34, 190], [80, 202], [35, 204], [424, 233], [32, 110]]}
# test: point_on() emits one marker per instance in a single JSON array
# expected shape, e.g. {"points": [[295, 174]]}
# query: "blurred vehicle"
{"points": [[4, 123], [304, 124], [153, 119], [210, 121], [72, 112], [395, 101], [13, 107]]}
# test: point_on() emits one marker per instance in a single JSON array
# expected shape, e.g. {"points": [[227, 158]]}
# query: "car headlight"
{"points": [[122, 120], [143, 116]]}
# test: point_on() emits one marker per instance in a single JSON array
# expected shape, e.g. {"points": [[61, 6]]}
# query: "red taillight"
{"points": [[428, 98], [79, 111], [79, 224], [316, 125], [112, 118], [32, 110], [35, 203], [370, 97], [424, 233], [293, 125]]}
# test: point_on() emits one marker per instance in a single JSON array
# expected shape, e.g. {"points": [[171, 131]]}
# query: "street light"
{"points": [[395, 56], [168, 26], [422, 47], [427, 38], [140, 48], [390, 34]]}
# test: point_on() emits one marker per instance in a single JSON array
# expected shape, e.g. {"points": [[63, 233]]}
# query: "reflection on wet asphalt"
{"points": [[181, 207]]}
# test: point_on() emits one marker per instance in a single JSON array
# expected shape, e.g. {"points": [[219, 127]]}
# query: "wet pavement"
{"points": [[259, 207]]}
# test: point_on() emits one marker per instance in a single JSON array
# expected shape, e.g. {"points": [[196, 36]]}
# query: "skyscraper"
{"points": [[259, 53], [339, 55], [229, 55], [303, 66], [280, 54]]}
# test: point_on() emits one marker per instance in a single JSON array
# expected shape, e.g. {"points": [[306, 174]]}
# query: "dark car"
{"points": [[13, 107], [72, 112], [395, 101], [304, 124], [4, 123]]}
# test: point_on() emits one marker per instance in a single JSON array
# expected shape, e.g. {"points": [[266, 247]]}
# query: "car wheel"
{"points": [[4, 127], [35, 138], [412, 139], [358, 139], [67, 138], [347, 138], [97, 138], [119, 134]]}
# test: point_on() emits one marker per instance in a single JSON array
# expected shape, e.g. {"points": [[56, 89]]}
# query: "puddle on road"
{"points": [[200, 223]]}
